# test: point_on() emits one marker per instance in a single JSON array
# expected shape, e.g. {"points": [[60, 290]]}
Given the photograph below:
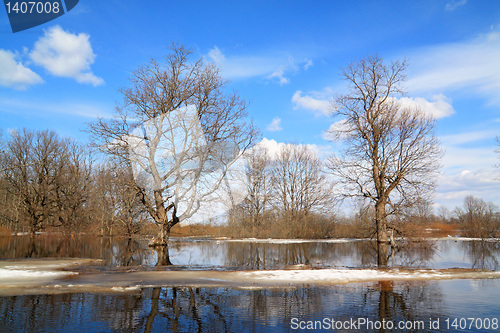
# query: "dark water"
{"points": [[420, 305]]}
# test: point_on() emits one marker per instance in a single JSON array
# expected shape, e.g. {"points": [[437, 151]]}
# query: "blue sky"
{"points": [[284, 57]]}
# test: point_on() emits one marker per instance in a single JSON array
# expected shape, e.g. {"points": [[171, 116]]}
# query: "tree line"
{"points": [[53, 183], [49, 182], [179, 135]]}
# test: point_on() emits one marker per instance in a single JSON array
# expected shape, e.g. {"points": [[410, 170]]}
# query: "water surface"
{"points": [[227, 308]]}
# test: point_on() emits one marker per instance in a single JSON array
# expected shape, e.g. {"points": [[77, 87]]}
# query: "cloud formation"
{"points": [[454, 187], [14, 74], [438, 107], [275, 125], [273, 148], [273, 67], [314, 101], [468, 166], [470, 67], [66, 55]]}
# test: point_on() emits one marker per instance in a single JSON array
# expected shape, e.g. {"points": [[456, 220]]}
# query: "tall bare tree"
{"points": [[181, 130], [391, 154]]}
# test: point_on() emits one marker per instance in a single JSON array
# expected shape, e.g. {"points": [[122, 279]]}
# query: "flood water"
{"points": [[468, 305]]}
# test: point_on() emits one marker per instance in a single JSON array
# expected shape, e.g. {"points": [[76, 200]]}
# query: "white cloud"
{"points": [[14, 74], [308, 63], [217, 56], [272, 67], [454, 4], [468, 168], [472, 150], [439, 107], [337, 131], [472, 158], [67, 55], [315, 101], [273, 148], [275, 125], [453, 187], [470, 67], [279, 74]]}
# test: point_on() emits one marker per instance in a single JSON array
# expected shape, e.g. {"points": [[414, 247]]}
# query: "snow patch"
{"points": [[15, 274], [126, 289], [335, 276], [291, 241]]}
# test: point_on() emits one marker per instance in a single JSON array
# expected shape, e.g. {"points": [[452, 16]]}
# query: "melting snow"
{"points": [[290, 241], [15, 274], [44, 276], [332, 276]]}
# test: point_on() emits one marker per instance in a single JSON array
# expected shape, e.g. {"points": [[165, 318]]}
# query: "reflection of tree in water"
{"points": [[114, 252], [354, 254], [278, 256], [410, 301], [482, 254], [414, 253], [262, 255], [222, 309], [185, 309]]}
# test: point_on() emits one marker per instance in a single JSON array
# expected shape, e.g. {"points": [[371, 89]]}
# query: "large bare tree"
{"points": [[181, 131], [391, 154]]}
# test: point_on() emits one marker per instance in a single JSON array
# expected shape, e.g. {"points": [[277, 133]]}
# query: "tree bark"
{"points": [[382, 238]]}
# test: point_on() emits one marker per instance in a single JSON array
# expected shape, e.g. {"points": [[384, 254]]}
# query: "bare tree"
{"points": [[181, 131], [103, 200], [130, 213], [299, 184], [391, 154], [479, 218], [72, 188], [49, 175], [257, 170]]}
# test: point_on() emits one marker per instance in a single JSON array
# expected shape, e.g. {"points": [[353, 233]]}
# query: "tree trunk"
{"points": [[164, 234], [382, 238], [163, 256]]}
